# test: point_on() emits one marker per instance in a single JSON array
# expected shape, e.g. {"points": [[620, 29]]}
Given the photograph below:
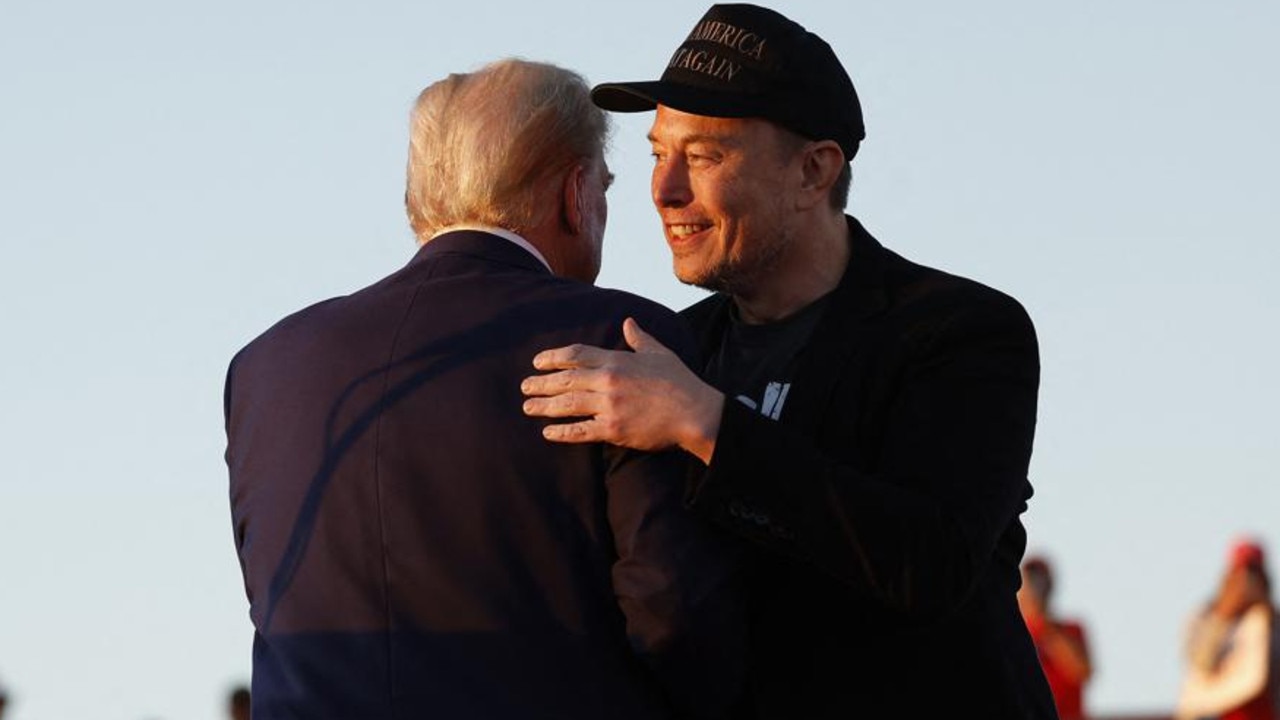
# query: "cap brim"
{"points": [[642, 96], [625, 97]]}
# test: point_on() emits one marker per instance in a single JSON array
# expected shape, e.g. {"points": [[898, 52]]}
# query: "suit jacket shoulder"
{"points": [[387, 491]]}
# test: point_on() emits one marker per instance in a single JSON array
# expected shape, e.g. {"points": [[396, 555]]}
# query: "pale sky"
{"points": [[176, 176]]}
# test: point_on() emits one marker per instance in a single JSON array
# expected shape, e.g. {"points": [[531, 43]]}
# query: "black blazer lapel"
{"points": [[860, 296]]}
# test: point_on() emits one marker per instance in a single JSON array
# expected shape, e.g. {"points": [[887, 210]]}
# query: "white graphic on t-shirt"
{"points": [[775, 395]]}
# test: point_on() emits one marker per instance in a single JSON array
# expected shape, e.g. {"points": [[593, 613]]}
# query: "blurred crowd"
{"points": [[1231, 648], [237, 703]]}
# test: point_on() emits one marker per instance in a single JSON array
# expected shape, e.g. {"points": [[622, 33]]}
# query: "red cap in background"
{"points": [[1246, 552]]}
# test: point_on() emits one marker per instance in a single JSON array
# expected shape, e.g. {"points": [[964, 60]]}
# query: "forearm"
{"points": [[702, 425], [899, 545], [1068, 653], [677, 584], [1205, 641]]}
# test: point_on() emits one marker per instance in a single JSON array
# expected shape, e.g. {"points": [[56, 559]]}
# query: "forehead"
{"points": [[671, 126]]}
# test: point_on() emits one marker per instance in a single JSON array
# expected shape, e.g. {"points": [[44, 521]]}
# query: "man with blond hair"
{"points": [[410, 546]]}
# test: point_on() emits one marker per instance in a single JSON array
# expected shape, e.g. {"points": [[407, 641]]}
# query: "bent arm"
{"points": [[912, 515], [676, 579], [677, 583], [1206, 637], [1065, 644]]}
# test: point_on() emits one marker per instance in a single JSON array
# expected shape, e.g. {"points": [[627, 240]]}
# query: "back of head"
{"points": [[484, 145], [239, 702], [1248, 556]]}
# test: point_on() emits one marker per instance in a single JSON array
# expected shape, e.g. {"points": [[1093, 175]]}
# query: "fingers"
{"points": [[569, 404], [551, 384], [639, 340], [584, 431], [571, 356]]}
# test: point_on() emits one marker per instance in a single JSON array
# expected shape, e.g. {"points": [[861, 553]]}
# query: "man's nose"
{"points": [[671, 184]]}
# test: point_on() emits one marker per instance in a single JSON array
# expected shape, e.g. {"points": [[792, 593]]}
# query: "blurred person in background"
{"points": [[1231, 646], [1060, 642], [238, 701]]}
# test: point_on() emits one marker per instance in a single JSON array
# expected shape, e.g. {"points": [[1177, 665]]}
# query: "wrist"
{"points": [[699, 438]]}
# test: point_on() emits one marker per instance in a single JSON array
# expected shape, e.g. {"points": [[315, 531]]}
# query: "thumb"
{"points": [[639, 340]]}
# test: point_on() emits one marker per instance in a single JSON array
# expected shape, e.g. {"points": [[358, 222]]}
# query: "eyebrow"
{"points": [[726, 140]]}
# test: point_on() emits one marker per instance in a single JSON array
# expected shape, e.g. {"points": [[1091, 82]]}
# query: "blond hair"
{"points": [[483, 145]]}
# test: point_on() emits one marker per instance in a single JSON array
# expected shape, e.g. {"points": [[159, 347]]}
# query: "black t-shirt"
{"points": [[755, 363]]}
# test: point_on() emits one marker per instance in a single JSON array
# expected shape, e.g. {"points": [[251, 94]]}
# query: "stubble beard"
{"points": [[741, 276]]}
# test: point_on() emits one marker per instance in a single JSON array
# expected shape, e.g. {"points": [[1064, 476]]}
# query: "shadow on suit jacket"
{"points": [[412, 547]]}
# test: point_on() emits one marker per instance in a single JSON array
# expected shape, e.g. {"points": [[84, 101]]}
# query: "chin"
{"points": [[688, 273], [715, 279]]}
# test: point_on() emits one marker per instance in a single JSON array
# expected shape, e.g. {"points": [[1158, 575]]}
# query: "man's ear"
{"points": [[571, 196], [823, 161]]}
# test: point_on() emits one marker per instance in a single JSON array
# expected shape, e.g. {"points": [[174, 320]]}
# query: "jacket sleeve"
{"points": [[676, 579], [941, 472]]}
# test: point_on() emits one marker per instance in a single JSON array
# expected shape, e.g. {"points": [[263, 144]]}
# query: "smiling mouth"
{"points": [[680, 232]]}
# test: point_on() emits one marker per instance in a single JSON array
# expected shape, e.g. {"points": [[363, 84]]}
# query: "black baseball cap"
{"points": [[748, 61]]}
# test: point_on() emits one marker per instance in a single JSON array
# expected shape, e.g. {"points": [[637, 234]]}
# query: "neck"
{"points": [[810, 268]]}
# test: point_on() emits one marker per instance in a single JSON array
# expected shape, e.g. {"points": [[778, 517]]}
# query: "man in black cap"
{"points": [[863, 421]]}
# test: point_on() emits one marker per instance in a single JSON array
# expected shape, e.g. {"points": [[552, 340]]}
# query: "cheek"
{"points": [[737, 199]]}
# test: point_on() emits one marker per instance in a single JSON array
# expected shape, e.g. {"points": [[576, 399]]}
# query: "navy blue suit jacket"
{"points": [[413, 548]]}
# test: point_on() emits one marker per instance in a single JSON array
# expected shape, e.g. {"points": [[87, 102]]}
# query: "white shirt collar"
{"points": [[500, 232]]}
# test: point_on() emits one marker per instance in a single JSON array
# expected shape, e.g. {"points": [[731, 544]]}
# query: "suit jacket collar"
{"points": [[479, 244], [862, 287]]}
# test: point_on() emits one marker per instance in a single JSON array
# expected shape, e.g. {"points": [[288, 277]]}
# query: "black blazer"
{"points": [[884, 503], [413, 548]]}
